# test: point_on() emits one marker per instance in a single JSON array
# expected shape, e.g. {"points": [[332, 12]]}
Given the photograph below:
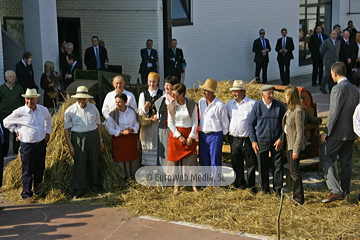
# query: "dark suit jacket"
{"points": [[329, 52], [353, 32], [344, 98], [257, 48], [25, 76], [90, 59], [68, 81], [289, 46], [354, 54], [314, 45], [64, 65], [145, 59], [174, 68], [345, 50]]}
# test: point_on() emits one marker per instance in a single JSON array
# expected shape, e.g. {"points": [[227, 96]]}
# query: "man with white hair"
{"points": [[32, 124], [109, 101], [10, 99]]}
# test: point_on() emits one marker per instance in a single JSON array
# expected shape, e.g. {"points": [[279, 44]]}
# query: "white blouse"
{"points": [[183, 119], [127, 119], [142, 101]]}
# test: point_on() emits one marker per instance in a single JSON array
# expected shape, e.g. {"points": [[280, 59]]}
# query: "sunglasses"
{"points": [[262, 33]]}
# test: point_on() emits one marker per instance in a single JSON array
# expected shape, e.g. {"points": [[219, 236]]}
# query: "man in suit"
{"points": [[72, 65], [96, 57], [149, 58], [352, 30], [315, 43], [25, 73], [69, 48], [261, 48], [337, 28], [339, 136], [174, 61], [345, 53], [329, 52], [284, 47]]}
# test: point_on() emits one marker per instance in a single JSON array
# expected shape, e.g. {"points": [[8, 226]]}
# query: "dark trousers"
{"points": [[265, 162], [284, 67], [327, 79], [1, 164], [33, 166], [329, 151], [145, 73], [297, 186], [87, 154], [318, 67], [262, 65], [16, 144], [241, 150]]}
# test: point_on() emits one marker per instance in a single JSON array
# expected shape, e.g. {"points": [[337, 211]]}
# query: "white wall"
{"points": [[123, 25], [219, 44]]}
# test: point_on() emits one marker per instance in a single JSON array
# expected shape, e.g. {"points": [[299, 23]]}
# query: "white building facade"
{"points": [[216, 41]]}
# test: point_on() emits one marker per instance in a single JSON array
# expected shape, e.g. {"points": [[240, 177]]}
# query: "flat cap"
{"points": [[267, 88]]}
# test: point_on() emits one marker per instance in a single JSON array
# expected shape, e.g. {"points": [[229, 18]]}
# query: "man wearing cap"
{"points": [[214, 124], [32, 124], [266, 136], [238, 110], [84, 138], [109, 101]]}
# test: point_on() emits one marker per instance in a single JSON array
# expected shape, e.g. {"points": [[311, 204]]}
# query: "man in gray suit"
{"points": [[329, 52], [339, 136]]}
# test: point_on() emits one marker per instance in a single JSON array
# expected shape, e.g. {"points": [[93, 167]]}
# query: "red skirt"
{"points": [[124, 148], [176, 150]]}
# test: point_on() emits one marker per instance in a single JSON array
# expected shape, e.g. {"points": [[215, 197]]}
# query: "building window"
{"points": [[312, 12], [181, 12]]}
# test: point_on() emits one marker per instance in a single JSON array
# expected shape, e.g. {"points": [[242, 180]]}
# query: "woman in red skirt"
{"points": [[182, 122], [122, 124]]}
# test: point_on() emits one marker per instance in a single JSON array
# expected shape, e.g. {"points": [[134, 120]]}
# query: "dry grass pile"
{"points": [[224, 94], [58, 176]]}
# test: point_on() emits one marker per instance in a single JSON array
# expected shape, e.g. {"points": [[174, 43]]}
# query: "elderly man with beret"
{"points": [[32, 124], [241, 149], [84, 138], [214, 123], [266, 135]]}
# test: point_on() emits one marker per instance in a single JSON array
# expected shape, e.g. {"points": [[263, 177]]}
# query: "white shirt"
{"points": [[32, 126], [109, 102], [356, 120], [11, 88], [127, 119], [238, 115], [267, 105], [80, 119], [167, 102], [359, 50], [213, 118], [183, 120], [142, 101]]}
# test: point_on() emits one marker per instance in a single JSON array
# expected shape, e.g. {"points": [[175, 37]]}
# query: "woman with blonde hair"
{"points": [[51, 84], [148, 134], [293, 125]]}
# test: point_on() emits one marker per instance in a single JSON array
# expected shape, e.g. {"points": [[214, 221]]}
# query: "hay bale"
{"points": [[224, 94], [58, 181]]}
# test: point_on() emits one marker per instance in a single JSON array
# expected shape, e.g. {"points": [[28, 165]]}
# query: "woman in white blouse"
{"points": [[182, 122], [122, 124], [148, 134]]}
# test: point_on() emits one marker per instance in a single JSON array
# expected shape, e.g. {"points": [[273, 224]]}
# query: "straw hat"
{"points": [[82, 92], [30, 93], [210, 85], [238, 85], [267, 88]]}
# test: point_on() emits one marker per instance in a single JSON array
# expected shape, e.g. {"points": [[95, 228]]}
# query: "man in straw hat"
{"points": [[84, 138], [214, 124], [32, 124], [266, 134], [238, 111]]}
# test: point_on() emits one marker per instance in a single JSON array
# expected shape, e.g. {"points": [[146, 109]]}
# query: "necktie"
{"points": [[174, 50], [98, 66], [284, 43], [72, 67], [1, 135], [263, 43], [321, 39], [347, 42]]}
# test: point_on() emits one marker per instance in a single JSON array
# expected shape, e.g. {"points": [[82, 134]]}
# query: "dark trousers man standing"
{"points": [[318, 68], [262, 65]]}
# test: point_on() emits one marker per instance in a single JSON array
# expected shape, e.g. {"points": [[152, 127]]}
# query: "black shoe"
{"points": [[253, 190], [323, 91], [314, 84]]}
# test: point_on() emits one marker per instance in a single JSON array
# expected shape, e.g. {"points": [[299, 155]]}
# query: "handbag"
{"points": [[53, 94]]}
